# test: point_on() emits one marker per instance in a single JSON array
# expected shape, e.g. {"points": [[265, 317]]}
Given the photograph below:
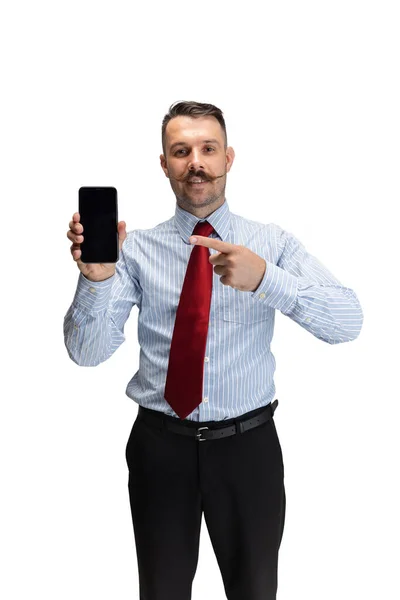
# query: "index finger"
{"points": [[213, 243], [75, 219]]}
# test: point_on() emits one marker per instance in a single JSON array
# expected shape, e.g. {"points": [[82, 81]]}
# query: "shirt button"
{"points": [[206, 359], [308, 320], [206, 399], [92, 289], [262, 295], [75, 326]]}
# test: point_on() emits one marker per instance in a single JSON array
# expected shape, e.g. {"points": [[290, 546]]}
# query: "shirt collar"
{"points": [[220, 219]]}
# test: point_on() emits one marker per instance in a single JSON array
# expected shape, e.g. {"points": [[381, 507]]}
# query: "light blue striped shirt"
{"points": [[238, 364]]}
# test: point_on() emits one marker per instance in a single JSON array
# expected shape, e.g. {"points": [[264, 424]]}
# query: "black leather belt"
{"points": [[239, 426]]}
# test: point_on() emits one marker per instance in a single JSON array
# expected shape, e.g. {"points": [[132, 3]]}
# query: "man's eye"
{"points": [[183, 150]]}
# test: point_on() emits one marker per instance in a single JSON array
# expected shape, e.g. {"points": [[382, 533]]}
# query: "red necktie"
{"points": [[184, 384]]}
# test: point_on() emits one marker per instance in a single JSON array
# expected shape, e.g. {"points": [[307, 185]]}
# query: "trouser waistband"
{"points": [[209, 430]]}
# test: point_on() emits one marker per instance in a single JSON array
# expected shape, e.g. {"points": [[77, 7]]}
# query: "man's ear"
{"points": [[163, 163], [230, 157]]}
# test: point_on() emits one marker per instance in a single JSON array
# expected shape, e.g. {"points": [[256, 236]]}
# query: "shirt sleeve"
{"points": [[94, 323], [304, 290]]}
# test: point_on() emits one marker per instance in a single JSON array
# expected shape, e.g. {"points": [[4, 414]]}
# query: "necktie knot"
{"points": [[203, 228]]}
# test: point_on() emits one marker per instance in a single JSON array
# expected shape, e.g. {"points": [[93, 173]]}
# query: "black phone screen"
{"points": [[98, 211]]}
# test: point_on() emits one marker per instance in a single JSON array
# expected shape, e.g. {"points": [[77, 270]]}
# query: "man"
{"points": [[204, 440]]}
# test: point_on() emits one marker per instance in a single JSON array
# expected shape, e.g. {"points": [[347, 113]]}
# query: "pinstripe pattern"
{"points": [[239, 365]]}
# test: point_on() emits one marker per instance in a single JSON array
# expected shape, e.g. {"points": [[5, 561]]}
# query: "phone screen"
{"points": [[99, 217]]}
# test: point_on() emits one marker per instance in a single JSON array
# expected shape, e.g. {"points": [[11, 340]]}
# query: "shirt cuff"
{"points": [[278, 289], [92, 296]]}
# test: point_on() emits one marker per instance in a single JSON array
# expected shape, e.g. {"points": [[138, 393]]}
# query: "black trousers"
{"points": [[237, 481]]}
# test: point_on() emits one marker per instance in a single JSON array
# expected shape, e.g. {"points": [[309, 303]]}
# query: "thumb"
{"points": [[121, 233]]}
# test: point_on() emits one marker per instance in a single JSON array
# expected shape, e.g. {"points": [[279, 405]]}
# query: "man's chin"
{"points": [[198, 201]]}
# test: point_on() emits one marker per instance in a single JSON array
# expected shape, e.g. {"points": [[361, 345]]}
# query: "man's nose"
{"points": [[196, 161]]}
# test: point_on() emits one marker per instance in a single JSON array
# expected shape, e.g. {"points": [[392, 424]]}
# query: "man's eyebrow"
{"points": [[211, 141]]}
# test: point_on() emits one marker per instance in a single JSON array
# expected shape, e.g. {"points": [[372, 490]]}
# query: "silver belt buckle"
{"points": [[199, 434]]}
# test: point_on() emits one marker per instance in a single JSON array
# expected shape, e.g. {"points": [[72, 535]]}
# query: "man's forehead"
{"points": [[188, 128]]}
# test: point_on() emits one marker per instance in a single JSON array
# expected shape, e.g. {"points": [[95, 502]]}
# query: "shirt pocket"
{"points": [[241, 307]]}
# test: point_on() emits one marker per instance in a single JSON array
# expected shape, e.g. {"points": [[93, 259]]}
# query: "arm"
{"points": [[94, 323], [304, 290]]}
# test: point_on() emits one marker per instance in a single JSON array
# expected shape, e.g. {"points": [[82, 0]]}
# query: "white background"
{"points": [[310, 94]]}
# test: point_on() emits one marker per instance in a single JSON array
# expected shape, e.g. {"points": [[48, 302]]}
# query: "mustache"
{"points": [[201, 176]]}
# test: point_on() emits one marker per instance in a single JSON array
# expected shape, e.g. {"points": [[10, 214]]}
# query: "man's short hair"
{"points": [[194, 110]]}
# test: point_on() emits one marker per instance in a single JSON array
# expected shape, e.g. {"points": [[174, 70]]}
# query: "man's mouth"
{"points": [[197, 181]]}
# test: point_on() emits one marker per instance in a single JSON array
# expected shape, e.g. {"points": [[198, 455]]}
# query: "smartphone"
{"points": [[98, 210]]}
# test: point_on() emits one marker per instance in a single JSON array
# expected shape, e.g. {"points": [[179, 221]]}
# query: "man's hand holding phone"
{"points": [[92, 271]]}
